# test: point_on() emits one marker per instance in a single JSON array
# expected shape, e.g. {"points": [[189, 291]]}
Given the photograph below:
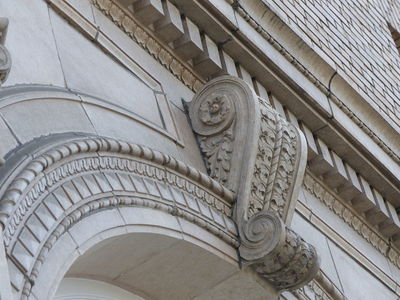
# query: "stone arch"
{"points": [[74, 177]]}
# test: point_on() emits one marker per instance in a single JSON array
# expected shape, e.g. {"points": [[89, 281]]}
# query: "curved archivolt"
{"points": [[69, 181]]}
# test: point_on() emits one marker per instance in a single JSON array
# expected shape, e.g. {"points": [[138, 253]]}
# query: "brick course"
{"points": [[356, 36]]}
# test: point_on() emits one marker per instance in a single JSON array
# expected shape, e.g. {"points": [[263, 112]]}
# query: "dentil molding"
{"points": [[354, 220], [250, 149]]}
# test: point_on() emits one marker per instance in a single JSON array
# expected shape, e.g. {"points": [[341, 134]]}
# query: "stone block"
{"points": [[237, 287], [390, 226], [128, 129], [379, 213], [208, 62], [31, 44], [103, 78], [84, 7], [8, 141], [42, 117], [190, 44], [292, 118], [261, 91], [365, 201], [318, 240], [55, 265], [190, 152], [278, 106], [353, 188], [226, 9], [322, 163], [145, 65], [228, 64], [366, 287], [91, 226], [148, 11], [244, 74], [337, 176], [179, 272], [311, 144], [47, 216], [170, 27]]}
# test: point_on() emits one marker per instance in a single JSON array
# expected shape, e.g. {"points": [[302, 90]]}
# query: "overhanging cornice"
{"points": [[358, 133]]}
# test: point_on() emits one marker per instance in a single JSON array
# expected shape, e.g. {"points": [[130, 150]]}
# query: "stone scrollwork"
{"points": [[5, 57], [276, 252], [254, 152]]}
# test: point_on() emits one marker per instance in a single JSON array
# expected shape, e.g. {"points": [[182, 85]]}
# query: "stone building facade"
{"points": [[214, 149]]}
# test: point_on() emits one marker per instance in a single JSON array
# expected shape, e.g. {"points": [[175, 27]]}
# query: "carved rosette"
{"points": [[213, 118], [253, 151], [5, 57]]}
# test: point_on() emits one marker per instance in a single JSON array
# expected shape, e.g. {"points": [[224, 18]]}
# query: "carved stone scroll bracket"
{"points": [[253, 151], [276, 253], [5, 57]]}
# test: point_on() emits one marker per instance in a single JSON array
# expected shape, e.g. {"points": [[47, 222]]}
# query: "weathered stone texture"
{"points": [[356, 36]]}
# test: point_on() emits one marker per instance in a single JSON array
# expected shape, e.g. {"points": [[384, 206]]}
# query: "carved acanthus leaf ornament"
{"points": [[250, 149]]}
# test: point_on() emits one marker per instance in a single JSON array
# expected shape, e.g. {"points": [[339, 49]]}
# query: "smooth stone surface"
{"points": [[174, 88], [111, 124], [320, 242], [57, 263], [46, 116], [84, 7], [86, 288], [347, 232], [357, 283], [31, 43], [190, 153], [97, 74], [8, 140]]}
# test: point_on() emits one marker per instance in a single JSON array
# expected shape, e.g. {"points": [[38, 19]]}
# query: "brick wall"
{"points": [[355, 35]]}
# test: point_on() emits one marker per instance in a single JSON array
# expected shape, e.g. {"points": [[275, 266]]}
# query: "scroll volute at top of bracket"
{"points": [[248, 147]]}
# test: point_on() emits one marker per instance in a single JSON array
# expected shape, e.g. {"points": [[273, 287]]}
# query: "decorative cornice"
{"points": [[142, 36], [5, 57], [253, 151], [313, 79], [285, 53], [166, 57], [359, 224]]}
